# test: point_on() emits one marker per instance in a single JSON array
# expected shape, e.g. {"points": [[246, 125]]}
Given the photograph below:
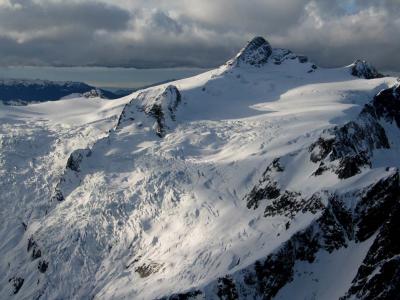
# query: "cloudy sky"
{"points": [[193, 33]]}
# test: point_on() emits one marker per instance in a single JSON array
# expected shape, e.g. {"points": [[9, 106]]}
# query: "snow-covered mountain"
{"points": [[268, 177], [27, 90]]}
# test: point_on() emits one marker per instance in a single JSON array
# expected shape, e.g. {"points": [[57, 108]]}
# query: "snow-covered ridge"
{"points": [[253, 180]]}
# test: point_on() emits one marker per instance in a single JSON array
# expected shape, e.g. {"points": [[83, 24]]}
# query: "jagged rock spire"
{"points": [[256, 52], [364, 69]]}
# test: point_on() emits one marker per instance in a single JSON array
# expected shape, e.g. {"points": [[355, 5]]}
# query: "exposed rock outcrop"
{"points": [[75, 159], [386, 105], [352, 144], [16, 283], [332, 230], [364, 69], [255, 53], [267, 187], [94, 93], [190, 295], [379, 275], [161, 108], [72, 168], [259, 52], [42, 266], [34, 249]]}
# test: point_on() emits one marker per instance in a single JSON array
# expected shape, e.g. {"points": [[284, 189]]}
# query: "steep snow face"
{"points": [[236, 183]]}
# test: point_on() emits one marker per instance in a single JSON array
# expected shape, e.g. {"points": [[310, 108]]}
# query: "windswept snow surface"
{"points": [[143, 216]]}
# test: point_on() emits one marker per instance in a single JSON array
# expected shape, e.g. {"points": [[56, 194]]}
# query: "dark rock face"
{"points": [[343, 215], [363, 69], [173, 97], [353, 143], [313, 68], [255, 53], [331, 231], [279, 55], [227, 289], [36, 253], [184, 296], [259, 52], [302, 59], [267, 188], [33, 246], [269, 191], [279, 205], [351, 165], [324, 147], [174, 102], [157, 113], [386, 105], [328, 232], [273, 273], [42, 266], [75, 159], [268, 276], [278, 202], [379, 275], [16, 283], [58, 195], [146, 270], [375, 206], [291, 203]]}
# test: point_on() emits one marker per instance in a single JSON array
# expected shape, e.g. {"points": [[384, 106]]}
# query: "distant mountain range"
{"points": [[23, 91], [27, 90]]}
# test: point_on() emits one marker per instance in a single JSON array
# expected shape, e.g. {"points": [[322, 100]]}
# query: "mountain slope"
{"points": [[250, 181]]}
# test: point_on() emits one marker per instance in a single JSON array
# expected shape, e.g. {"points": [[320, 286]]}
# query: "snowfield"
{"points": [[171, 191]]}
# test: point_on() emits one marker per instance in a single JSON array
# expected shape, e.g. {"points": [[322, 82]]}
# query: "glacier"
{"points": [[267, 177]]}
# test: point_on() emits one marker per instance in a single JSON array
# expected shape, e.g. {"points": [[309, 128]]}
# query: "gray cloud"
{"points": [[169, 33], [162, 21], [28, 16]]}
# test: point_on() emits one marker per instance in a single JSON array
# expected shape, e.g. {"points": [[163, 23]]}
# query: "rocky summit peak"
{"points": [[256, 52], [364, 69], [93, 93]]}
